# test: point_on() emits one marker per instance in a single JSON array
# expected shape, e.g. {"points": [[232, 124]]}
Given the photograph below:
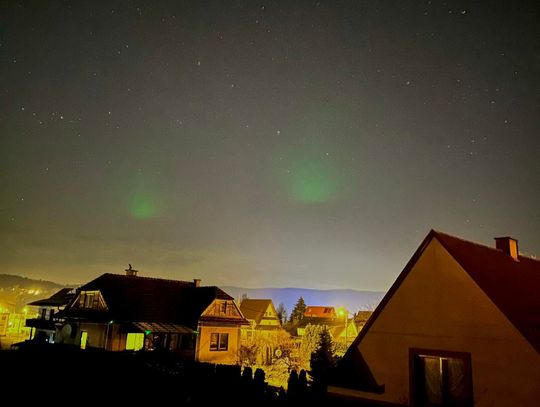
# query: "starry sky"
{"points": [[280, 144]]}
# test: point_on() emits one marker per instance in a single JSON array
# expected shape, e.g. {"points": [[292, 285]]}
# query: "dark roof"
{"points": [[254, 308], [138, 299], [514, 286], [362, 316], [61, 298]]}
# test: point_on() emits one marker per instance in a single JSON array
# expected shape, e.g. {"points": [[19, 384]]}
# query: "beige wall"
{"points": [[204, 354], [439, 306]]}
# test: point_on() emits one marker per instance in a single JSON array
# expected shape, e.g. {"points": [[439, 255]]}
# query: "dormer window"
{"points": [[90, 300]]}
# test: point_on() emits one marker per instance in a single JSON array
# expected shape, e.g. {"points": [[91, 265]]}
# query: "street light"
{"points": [[343, 312]]}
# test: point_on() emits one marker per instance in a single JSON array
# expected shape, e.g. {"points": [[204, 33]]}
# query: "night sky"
{"points": [[287, 144]]}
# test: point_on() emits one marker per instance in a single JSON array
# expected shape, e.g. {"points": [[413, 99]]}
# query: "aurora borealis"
{"points": [[305, 144]]}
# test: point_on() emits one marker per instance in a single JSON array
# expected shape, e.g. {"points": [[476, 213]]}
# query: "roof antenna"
{"points": [[131, 271]]}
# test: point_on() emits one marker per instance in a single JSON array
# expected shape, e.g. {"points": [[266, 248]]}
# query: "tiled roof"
{"points": [[320, 311], [254, 309], [513, 286], [133, 298], [62, 297], [362, 316]]}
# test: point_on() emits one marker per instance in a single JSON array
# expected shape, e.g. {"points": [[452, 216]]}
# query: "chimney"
{"points": [[131, 271], [196, 282], [508, 246]]}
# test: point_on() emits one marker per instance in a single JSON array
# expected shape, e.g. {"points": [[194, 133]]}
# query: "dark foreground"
{"points": [[51, 373]]}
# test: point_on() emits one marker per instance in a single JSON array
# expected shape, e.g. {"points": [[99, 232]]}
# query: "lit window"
{"points": [[84, 339], [91, 299], [219, 342], [214, 338], [134, 341]]}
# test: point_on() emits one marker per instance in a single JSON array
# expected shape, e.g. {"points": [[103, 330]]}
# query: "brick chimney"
{"points": [[131, 271], [508, 245], [196, 282]]}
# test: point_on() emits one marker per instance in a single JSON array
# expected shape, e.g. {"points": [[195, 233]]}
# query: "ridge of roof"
{"points": [[158, 279], [481, 245]]}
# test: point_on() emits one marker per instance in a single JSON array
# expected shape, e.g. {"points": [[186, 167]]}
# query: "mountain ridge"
{"points": [[353, 300]]}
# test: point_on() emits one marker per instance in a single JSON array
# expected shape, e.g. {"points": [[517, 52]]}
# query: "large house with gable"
{"points": [[128, 312], [459, 327]]}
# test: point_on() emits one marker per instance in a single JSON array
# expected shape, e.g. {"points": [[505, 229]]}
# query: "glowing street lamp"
{"points": [[342, 312]]}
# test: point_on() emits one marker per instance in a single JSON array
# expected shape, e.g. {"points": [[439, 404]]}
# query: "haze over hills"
{"points": [[353, 300], [11, 280]]}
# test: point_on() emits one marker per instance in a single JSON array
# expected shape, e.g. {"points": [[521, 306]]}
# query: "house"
{"points": [[460, 326], [316, 315], [341, 328], [128, 312], [361, 318], [325, 312], [264, 327], [342, 336], [44, 326]]}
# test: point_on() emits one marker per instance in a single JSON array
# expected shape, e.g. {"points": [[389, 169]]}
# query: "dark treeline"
{"points": [[145, 377]]}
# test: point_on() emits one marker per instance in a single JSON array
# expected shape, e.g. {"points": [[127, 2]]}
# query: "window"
{"points": [[134, 341], [224, 307], [219, 342], [441, 379], [84, 339], [91, 299]]}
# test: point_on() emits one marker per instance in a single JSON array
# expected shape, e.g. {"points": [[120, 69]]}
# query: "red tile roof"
{"points": [[317, 311]]}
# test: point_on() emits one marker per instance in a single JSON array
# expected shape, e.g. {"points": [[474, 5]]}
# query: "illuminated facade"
{"points": [[44, 325], [459, 327], [264, 328]]}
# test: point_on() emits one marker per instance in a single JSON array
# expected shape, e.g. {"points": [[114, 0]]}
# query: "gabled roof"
{"points": [[512, 285], [254, 309], [337, 330], [58, 299], [361, 317], [316, 311], [138, 299]]}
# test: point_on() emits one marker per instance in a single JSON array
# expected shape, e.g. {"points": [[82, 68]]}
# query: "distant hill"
{"points": [[9, 281], [353, 300]]}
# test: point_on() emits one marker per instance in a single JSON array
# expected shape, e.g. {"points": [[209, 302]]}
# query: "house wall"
{"points": [[203, 352], [117, 339], [439, 306], [96, 335]]}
